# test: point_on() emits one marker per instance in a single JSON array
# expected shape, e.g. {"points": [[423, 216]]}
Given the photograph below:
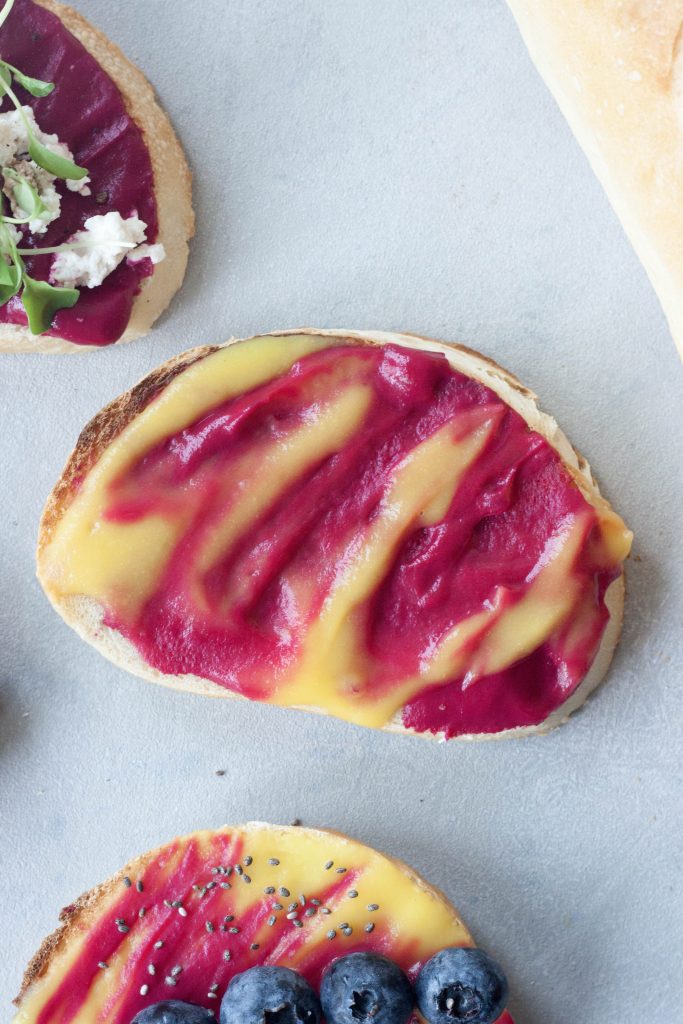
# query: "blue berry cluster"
{"points": [[456, 985]]}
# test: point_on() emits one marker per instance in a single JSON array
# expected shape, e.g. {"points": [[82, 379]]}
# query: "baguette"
{"points": [[615, 70], [85, 615], [172, 187], [411, 920]]}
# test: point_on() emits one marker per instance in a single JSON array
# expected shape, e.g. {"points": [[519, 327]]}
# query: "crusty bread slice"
{"points": [[616, 71], [172, 186], [84, 614], [80, 916]]}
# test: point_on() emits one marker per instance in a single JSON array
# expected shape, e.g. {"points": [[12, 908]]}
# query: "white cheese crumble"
{"points": [[155, 253], [104, 243], [14, 154]]}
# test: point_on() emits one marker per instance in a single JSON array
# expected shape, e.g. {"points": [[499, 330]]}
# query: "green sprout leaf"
{"points": [[42, 301], [34, 86], [25, 195], [10, 281], [5, 78], [60, 166]]}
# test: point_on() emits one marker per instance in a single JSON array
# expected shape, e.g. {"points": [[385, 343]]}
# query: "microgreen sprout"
{"points": [[85, 244], [6, 11], [41, 300], [34, 86]]}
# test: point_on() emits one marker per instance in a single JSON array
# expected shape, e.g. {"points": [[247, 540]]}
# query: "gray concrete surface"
{"points": [[392, 165]]}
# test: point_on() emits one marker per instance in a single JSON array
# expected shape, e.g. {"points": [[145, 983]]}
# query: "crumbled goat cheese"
{"points": [[14, 154], [155, 253], [43, 183], [107, 240]]}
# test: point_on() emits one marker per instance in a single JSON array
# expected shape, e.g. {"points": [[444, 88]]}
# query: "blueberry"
{"points": [[461, 985], [172, 1011], [269, 995], [366, 987]]}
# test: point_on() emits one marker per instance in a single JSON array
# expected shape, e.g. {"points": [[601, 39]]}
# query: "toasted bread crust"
{"points": [[104, 428], [70, 917], [172, 188], [82, 911], [85, 616]]}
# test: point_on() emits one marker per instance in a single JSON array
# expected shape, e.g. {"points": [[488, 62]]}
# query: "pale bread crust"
{"points": [[172, 188], [616, 71], [83, 912], [84, 614]]}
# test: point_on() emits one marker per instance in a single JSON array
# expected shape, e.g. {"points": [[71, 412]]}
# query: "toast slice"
{"points": [[98, 960], [615, 70], [181, 393], [172, 189]]}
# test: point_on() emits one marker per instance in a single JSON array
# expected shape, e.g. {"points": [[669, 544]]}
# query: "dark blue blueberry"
{"points": [[269, 995], [172, 1011], [461, 985], [366, 988]]}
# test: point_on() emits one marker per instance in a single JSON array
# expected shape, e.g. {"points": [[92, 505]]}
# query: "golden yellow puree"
{"points": [[119, 565], [410, 913], [409, 916]]}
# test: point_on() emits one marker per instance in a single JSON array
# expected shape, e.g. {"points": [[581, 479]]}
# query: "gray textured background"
{"points": [[398, 165]]}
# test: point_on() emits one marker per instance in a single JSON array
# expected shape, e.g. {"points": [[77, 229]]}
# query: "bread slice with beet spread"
{"points": [[133, 214], [182, 921], [370, 525]]}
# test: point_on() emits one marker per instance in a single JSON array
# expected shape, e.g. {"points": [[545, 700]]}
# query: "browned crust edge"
{"points": [[68, 917], [104, 428], [73, 915], [83, 909], [172, 186]]}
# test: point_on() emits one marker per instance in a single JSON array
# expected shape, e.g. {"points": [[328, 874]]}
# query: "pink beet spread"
{"points": [[87, 112], [187, 942], [514, 497]]}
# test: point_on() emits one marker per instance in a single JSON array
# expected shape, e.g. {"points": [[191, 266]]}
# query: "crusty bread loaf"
{"points": [[616, 72], [80, 916], [84, 614], [172, 187]]}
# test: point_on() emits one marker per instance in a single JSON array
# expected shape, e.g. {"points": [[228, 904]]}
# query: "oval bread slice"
{"points": [[86, 616], [347, 898], [172, 186]]}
